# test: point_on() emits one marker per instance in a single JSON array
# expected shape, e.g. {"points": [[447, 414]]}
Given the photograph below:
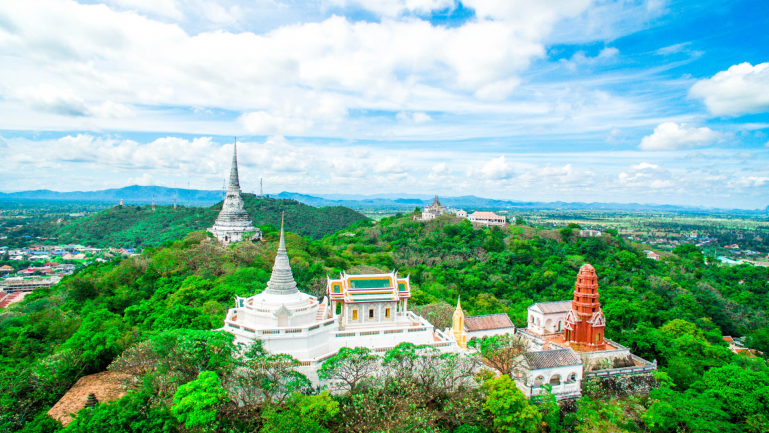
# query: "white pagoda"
{"points": [[358, 311], [233, 221]]}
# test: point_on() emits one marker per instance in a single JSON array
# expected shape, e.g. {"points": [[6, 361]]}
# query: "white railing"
{"points": [[288, 330]]}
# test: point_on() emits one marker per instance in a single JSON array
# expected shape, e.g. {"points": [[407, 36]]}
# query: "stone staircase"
{"points": [[8, 299], [321, 312]]}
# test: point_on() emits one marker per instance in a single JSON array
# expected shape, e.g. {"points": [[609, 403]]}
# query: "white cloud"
{"points": [[418, 117], [646, 175], [671, 136], [741, 89], [264, 123], [496, 169], [51, 99], [390, 165], [393, 8], [165, 8], [145, 179]]}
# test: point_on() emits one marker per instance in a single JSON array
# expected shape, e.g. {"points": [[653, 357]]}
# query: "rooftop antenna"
{"points": [[153, 202]]}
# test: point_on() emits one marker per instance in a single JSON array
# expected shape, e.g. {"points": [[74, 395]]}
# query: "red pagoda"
{"points": [[585, 321]]}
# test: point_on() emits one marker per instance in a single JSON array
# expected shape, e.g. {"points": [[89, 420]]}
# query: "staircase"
{"points": [[321, 312], [9, 299]]}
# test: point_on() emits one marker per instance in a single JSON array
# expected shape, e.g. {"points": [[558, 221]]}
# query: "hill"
{"points": [[139, 226], [152, 315]]}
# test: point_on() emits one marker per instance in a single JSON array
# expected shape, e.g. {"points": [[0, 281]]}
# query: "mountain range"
{"points": [[145, 194]]}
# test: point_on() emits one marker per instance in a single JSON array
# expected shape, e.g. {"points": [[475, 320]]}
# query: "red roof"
{"points": [[488, 321], [728, 339]]}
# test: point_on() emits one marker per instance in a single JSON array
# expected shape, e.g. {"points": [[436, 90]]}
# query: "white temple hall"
{"points": [[233, 221], [359, 311]]}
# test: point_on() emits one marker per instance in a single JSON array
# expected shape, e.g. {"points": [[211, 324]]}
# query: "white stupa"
{"points": [[364, 311], [233, 220]]}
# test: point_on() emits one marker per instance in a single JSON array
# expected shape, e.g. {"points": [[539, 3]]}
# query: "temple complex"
{"points": [[567, 343], [433, 211], [368, 310], [233, 221]]}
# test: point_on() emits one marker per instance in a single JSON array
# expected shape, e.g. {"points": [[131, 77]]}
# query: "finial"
{"points": [[459, 307]]}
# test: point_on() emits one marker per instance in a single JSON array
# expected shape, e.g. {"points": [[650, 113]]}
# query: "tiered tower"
{"points": [[585, 321], [233, 220]]}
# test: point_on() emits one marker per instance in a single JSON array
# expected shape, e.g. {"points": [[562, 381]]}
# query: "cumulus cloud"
{"points": [[48, 98], [741, 89], [671, 136], [390, 165], [496, 169], [646, 175]]}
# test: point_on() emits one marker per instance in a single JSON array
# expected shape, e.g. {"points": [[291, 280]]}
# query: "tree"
{"points": [[134, 413], [301, 414], [263, 377], [351, 366], [99, 339], [502, 352], [509, 408], [195, 402]]}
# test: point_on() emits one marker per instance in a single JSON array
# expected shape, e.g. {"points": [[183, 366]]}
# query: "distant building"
{"points": [[233, 221], [487, 218], [652, 255], [433, 211], [589, 233], [5, 269]]}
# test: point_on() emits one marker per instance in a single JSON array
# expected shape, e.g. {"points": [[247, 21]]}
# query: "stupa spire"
{"points": [[234, 180], [282, 279]]}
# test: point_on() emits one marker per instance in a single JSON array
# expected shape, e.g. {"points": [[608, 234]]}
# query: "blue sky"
{"points": [[647, 101]]}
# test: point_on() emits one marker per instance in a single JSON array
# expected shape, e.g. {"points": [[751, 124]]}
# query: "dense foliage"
{"points": [[150, 316], [140, 226]]}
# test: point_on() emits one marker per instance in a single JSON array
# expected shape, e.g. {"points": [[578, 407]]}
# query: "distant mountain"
{"points": [[394, 201], [131, 194]]}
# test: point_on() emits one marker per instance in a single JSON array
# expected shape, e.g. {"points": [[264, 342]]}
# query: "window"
{"points": [[387, 313], [597, 338], [371, 313], [354, 314], [338, 308]]}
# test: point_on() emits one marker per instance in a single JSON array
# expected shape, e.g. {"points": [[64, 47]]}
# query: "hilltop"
{"points": [[139, 226], [157, 311]]}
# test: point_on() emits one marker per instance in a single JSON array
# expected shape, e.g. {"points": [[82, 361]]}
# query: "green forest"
{"points": [[140, 226], [152, 316]]}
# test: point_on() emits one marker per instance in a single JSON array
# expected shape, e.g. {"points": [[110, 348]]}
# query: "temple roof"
{"points": [[551, 359], [282, 279], [552, 307], [369, 288], [487, 322]]}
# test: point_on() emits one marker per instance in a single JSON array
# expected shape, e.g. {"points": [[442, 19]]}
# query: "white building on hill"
{"points": [[487, 218], [359, 311]]}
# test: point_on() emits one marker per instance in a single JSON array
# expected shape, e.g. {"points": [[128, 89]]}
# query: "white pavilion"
{"points": [[359, 311]]}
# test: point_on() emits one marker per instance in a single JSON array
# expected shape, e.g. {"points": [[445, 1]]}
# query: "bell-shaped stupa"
{"points": [[233, 220]]}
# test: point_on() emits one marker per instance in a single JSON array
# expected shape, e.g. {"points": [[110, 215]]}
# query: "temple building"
{"points": [[465, 329], [233, 222], [359, 311], [567, 342], [432, 211]]}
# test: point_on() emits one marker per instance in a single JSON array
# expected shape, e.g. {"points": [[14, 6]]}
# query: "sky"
{"points": [[644, 101]]}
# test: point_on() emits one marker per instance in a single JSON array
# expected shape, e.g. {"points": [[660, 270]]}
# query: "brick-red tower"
{"points": [[585, 322]]}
